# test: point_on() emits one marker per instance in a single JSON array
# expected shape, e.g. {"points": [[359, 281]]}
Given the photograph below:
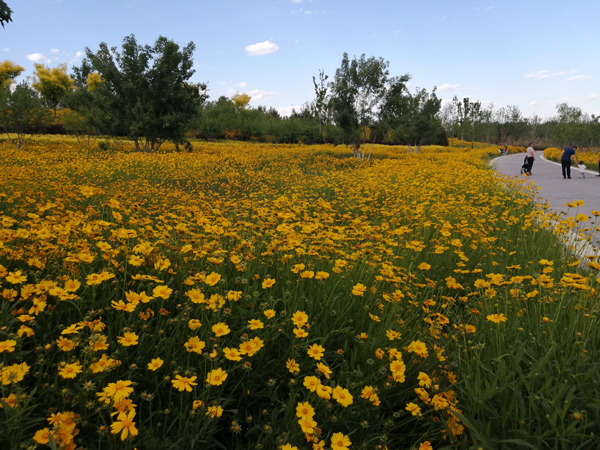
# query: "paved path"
{"points": [[547, 175]]}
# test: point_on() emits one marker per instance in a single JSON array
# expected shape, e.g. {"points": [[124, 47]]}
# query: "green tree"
{"points": [[53, 85], [21, 113], [5, 13], [145, 91], [8, 72], [357, 93], [569, 128]]}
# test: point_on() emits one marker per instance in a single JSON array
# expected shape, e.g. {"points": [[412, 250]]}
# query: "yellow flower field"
{"points": [[260, 296]]}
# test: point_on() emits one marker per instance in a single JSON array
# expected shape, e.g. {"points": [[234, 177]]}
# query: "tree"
{"points": [[320, 105], [53, 84], [5, 13], [569, 127], [144, 91], [469, 113], [357, 94], [8, 72], [241, 100], [21, 113]]}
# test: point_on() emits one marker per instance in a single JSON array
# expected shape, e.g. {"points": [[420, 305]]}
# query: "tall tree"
{"points": [[5, 13], [320, 105], [8, 72], [241, 100], [53, 84], [357, 94], [21, 113], [145, 91], [568, 130]]}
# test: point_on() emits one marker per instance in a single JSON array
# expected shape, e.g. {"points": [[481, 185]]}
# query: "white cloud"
{"points": [[591, 97], [262, 48], [260, 95], [302, 11], [542, 74], [579, 78], [296, 1], [533, 103], [447, 87], [242, 84], [285, 111], [38, 58], [54, 51], [6, 49]]}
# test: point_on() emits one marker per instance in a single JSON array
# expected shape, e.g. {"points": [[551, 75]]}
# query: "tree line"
{"points": [[144, 93]]}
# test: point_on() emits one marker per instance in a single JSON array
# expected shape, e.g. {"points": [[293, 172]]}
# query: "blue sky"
{"points": [[533, 54]]}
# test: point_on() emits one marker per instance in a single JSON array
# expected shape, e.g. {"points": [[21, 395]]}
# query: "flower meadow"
{"points": [[288, 297]]}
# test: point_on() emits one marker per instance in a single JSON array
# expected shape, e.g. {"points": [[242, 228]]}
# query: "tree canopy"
{"points": [[5, 13], [143, 91]]}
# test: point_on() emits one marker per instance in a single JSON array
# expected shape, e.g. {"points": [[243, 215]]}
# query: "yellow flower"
{"points": [[42, 436], [304, 410], [194, 324], [292, 366], [497, 318], [212, 279], [216, 377], [194, 344], [16, 277], [70, 370], [419, 348], [299, 318], [255, 324], [162, 292], [342, 396], [340, 441], [124, 425], [128, 339], [413, 408], [359, 289], [425, 446], [316, 351], [470, 329], [324, 370], [184, 383], [232, 354], [267, 283], [311, 383], [8, 346], [269, 313], [155, 364], [220, 329], [214, 411]]}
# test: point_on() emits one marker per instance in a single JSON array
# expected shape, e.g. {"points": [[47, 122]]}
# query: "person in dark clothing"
{"points": [[530, 158], [565, 160]]}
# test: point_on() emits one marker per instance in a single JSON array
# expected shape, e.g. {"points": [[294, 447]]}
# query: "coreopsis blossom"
{"points": [[413, 408], [155, 364], [300, 333], [419, 348], [425, 446], [324, 391], [326, 371], [103, 363], [299, 319], [184, 383], [128, 339], [216, 377], [424, 379], [311, 383], [118, 390], [470, 329], [497, 318], [269, 313], [232, 354], [307, 424], [135, 260], [359, 289], [304, 410], [321, 275], [11, 401], [162, 292], [307, 274], [342, 396], [194, 344], [13, 374], [8, 346], [298, 268], [212, 279], [220, 329], [42, 436], [255, 324], [197, 404], [70, 370], [25, 330], [124, 425], [316, 351], [16, 277], [267, 283], [292, 366], [65, 345], [194, 324], [214, 411], [196, 296], [234, 296], [339, 441]]}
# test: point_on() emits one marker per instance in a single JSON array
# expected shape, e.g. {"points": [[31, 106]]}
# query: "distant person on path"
{"points": [[565, 161], [506, 149], [530, 158]]}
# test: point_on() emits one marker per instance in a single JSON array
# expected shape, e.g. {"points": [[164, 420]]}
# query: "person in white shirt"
{"points": [[530, 158]]}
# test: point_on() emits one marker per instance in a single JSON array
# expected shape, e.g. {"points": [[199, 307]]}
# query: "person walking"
{"points": [[530, 158], [565, 161]]}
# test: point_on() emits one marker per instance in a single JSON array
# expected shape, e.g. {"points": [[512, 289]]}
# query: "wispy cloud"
{"points": [[543, 74], [260, 95], [302, 11], [579, 78], [447, 87], [261, 48]]}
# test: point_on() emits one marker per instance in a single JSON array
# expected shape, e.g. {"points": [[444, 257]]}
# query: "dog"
{"points": [[581, 168]]}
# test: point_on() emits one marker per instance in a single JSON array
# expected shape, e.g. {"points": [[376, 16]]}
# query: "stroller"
{"points": [[524, 166]]}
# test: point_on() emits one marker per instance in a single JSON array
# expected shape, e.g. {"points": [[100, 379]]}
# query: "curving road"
{"points": [[547, 175]]}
